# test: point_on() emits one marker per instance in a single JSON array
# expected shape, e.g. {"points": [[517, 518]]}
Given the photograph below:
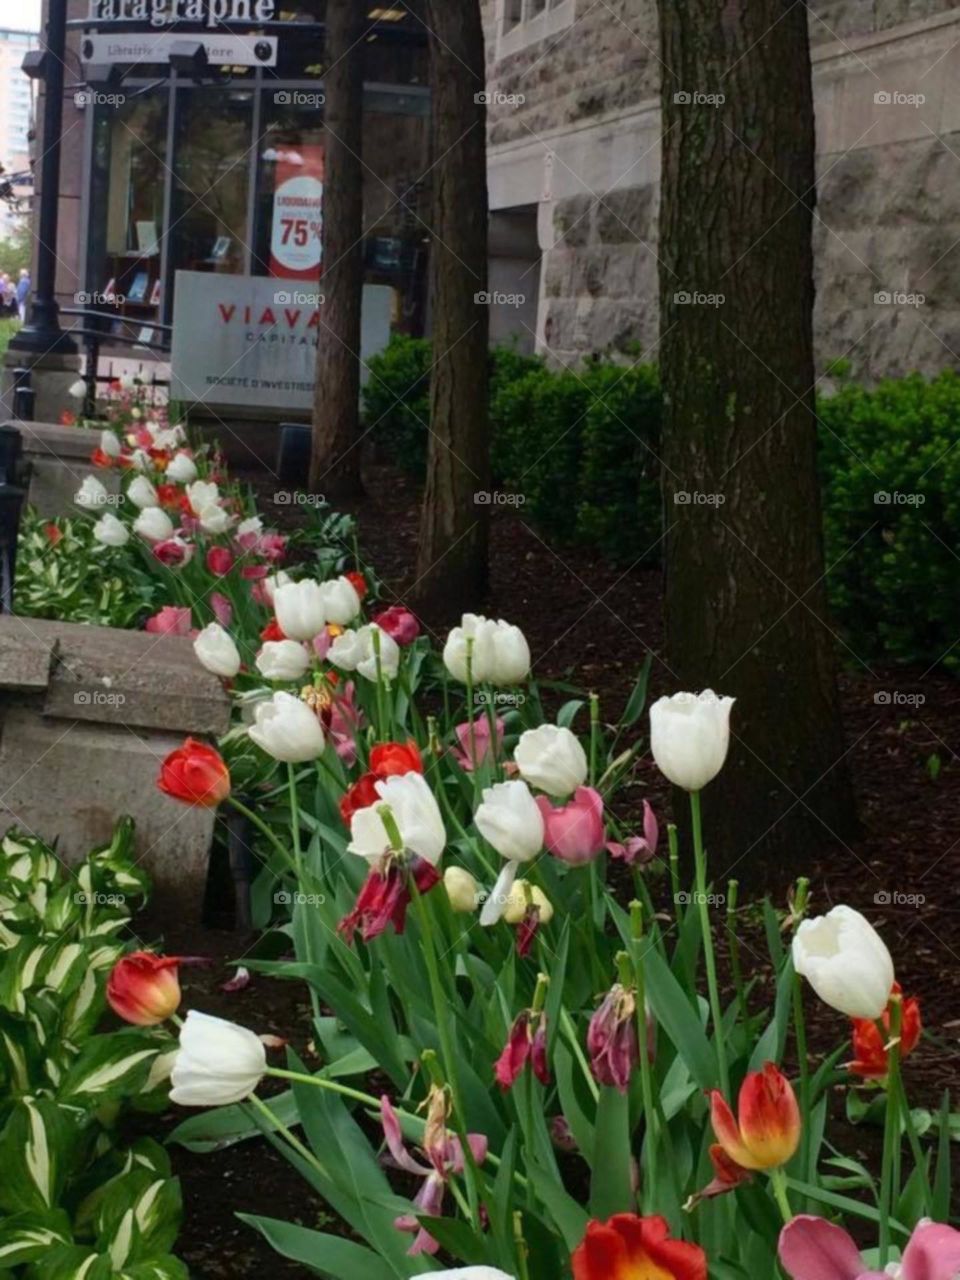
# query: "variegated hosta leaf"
{"points": [[25, 1236], [22, 1053], [35, 1149], [72, 1262], [109, 1066], [139, 1217], [168, 1268]]}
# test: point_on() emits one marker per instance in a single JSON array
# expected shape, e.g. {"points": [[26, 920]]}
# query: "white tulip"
{"points": [[300, 609], [282, 660], [500, 653], [846, 962], [202, 493], [217, 652], [214, 519], [109, 444], [139, 459], [354, 651], [552, 759], [77, 390], [218, 1062], [287, 729], [253, 525], [465, 1273], [416, 813], [166, 437], [111, 532], [690, 736], [153, 524], [142, 493], [91, 494], [462, 889], [273, 582], [515, 906], [510, 820], [182, 469], [341, 600]]}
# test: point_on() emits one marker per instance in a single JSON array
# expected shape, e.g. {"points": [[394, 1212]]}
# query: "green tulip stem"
{"points": [[891, 1132], [710, 958], [570, 1031], [594, 736], [295, 825], [274, 1122], [674, 847], [381, 704], [523, 1250], [262, 827], [651, 1184], [778, 1183], [800, 1031]]}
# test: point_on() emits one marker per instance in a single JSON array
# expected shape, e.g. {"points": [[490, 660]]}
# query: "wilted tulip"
{"points": [[638, 851], [612, 1039], [527, 1042], [845, 961], [690, 736]]}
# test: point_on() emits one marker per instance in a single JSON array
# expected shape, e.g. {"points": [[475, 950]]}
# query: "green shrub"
{"points": [[396, 401], [891, 479]]}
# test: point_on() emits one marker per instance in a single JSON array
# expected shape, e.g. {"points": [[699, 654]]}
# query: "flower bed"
{"points": [[560, 1088]]}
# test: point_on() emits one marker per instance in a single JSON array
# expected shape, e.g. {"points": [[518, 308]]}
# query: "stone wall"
{"points": [[583, 145]]}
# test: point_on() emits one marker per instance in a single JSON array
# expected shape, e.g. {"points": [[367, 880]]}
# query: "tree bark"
{"points": [[335, 458], [745, 601], [452, 560]]}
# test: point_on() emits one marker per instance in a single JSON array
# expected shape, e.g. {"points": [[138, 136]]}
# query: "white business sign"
{"points": [[224, 50], [252, 340]]}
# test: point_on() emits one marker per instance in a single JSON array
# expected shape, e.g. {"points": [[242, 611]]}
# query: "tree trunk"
{"points": [[452, 561], [745, 601], [335, 460]]}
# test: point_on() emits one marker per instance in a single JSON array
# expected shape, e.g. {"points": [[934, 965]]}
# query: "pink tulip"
{"points": [[639, 850], [344, 723], [612, 1040], [173, 552], [574, 831], [399, 623], [222, 608], [481, 742], [272, 546], [254, 572], [814, 1249], [172, 620], [219, 560]]}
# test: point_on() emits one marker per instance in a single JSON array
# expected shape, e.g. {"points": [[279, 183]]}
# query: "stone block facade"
{"points": [[574, 135]]}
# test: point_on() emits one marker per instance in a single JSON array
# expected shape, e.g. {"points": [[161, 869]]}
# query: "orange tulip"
{"points": [[766, 1132], [632, 1248], [870, 1047], [143, 988]]}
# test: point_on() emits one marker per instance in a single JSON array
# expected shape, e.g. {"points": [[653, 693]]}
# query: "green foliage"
{"points": [[891, 479], [69, 1194], [16, 249], [8, 327]]}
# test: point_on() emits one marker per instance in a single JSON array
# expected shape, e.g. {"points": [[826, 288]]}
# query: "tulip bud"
{"points": [[462, 890], [690, 736], [521, 898], [143, 988]]}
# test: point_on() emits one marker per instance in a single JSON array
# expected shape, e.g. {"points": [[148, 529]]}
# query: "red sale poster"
{"points": [[296, 245]]}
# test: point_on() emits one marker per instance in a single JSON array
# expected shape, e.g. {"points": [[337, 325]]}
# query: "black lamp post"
{"points": [[42, 334], [12, 496]]}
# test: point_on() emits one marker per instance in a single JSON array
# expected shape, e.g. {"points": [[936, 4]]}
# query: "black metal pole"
{"points": [[42, 333]]}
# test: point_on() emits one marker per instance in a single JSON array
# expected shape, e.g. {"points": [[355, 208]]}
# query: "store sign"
{"points": [[296, 236], [251, 341], [222, 50], [164, 13]]}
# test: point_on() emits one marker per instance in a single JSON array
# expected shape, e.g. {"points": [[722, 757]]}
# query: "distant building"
{"points": [[574, 176], [16, 116]]}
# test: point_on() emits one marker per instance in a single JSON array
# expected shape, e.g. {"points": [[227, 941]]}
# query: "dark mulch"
{"points": [[596, 623]]}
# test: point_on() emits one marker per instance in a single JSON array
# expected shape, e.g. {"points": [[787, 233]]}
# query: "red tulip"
{"points": [[196, 774], [631, 1248], [768, 1132], [527, 1042], [272, 631], [870, 1048], [399, 623], [220, 560], [387, 760], [358, 582], [143, 988], [384, 897]]}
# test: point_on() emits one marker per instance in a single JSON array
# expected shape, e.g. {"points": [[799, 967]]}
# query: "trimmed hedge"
{"points": [[582, 450]]}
